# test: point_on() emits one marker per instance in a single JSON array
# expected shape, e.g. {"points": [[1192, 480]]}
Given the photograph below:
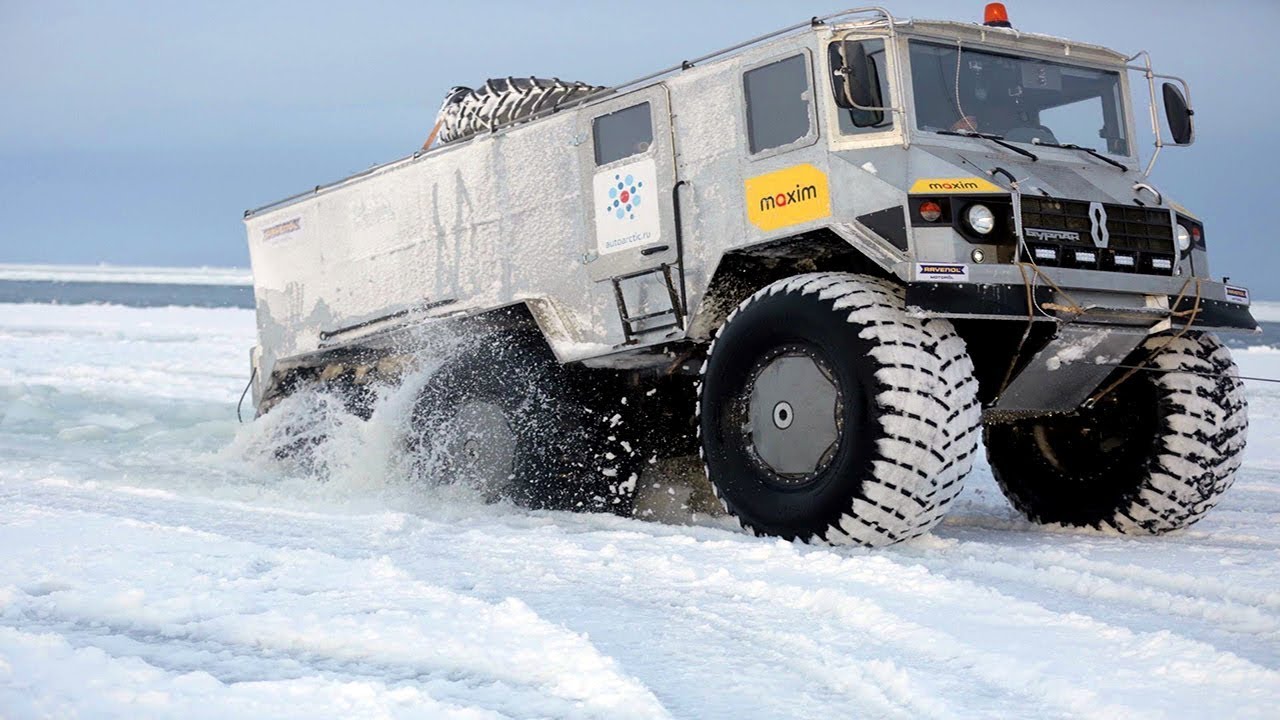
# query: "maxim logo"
{"points": [[787, 197], [955, 186], [1048, 235], [943, 185], [781, 200]]}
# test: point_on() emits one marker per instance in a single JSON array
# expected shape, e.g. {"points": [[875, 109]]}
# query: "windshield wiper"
{"points": [[997, 139], [1081, 148]]}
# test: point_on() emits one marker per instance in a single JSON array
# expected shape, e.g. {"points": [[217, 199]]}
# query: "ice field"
{"points": [[158, 561]]}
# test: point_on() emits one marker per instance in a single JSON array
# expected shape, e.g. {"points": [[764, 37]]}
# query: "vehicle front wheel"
{"points": [[1153, 455]]}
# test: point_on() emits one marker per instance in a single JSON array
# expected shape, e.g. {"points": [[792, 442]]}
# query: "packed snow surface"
{"points": [[160, 562]]}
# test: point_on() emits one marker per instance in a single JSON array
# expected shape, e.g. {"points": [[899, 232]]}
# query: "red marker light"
{"points": [[930, 211], [1196, 234], [996, 16]]}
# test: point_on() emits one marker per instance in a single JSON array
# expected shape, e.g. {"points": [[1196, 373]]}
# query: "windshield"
{"points": [[1023, 100]]}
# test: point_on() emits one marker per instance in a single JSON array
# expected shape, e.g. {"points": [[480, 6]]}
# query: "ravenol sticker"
{"points": [[955, 186], [942, 272], [792, 196], [1236, 294], [627, 206]]}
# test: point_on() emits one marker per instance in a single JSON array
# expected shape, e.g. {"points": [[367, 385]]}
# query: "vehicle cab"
{"points": [[1022, 161]]}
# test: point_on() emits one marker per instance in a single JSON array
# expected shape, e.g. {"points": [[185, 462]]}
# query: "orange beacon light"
{"points": [[996, 16]]}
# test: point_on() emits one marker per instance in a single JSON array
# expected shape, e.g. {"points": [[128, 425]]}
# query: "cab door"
{"points": [[629, 175], [785, 186], [629, 172]]}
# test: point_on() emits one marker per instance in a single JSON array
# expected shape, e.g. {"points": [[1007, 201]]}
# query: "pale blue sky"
{"points": [[138, 132]]}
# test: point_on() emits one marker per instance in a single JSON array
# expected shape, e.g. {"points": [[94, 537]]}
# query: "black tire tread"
{"points": [[571, 456], [1200, 444], [929, 411]]}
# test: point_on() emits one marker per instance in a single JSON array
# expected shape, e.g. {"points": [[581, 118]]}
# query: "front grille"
{"points": [[1058, 215], [1138, 228], [1140, 240]]}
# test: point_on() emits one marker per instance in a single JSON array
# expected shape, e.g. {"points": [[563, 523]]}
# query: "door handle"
{"points": [[655, 249]]}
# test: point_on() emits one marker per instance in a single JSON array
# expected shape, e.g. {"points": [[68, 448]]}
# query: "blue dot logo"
{"points": [[624, 196]]}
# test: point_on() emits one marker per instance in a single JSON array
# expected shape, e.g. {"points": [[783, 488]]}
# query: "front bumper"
{"points": [[999, 292]]}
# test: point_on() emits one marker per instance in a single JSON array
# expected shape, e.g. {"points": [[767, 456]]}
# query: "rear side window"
{"points": [[623, 133], [777, 97]]}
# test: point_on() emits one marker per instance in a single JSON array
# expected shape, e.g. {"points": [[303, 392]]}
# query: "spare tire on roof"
{"points": [[468, 111]]}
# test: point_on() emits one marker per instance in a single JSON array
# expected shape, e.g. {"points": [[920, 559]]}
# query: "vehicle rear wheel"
{"points": [[504, 417], [827, 413], [1152, 456]]}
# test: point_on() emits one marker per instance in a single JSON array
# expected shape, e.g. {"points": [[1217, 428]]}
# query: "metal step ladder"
{"points": [[629, 321]]}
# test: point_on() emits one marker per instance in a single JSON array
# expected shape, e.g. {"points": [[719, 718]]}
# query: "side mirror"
{"points": [[856, 83], [1178, 115]]}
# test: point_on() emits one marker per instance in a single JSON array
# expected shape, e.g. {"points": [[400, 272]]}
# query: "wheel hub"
{"points": [[792, 415], [480, 447], [783, 415]]}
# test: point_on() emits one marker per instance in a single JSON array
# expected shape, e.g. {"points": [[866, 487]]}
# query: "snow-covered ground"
{"points": [[158, 562]]}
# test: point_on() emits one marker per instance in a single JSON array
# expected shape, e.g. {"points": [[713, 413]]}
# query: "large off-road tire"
{"points": [[503, 416], [827, 413], [1154, 455], [500, 101]]}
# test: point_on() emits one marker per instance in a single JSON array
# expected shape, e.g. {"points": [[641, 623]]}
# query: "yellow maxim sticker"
{"points": [[955, 186], [792, 196]]}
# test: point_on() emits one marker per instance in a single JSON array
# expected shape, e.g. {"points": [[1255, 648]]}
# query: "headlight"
{"points": [[981, 219], [1184, 237]]}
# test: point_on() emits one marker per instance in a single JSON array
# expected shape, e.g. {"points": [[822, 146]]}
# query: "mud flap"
{"points": [[1067, 370]]}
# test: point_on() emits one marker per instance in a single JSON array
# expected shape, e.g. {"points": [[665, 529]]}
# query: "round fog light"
{"points": [[981, 219], [977, 255], [1184, 237]]}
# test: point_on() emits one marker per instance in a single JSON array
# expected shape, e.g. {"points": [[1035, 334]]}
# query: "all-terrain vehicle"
{"points": [[825, 259]]}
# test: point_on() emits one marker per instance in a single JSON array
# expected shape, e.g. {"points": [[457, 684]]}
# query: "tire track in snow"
{"points": [[870, 686], [938, 629], [249, 661], [880, 687], [1064, 567], [652, 627], [940, 653], [1231, 612], [47, 677], [332, 616], [999, 668], [714, 628], [930, 652]]}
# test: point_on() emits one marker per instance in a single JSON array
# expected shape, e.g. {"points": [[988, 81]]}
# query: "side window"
{"points": [[778, 98], [852, 120], [622, 134]]}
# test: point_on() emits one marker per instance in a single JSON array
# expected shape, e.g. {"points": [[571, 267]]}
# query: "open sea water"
{"points": [[130, 294], [155, 294]]}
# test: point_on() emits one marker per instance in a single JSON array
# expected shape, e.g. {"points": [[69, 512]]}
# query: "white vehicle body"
{"points": [[879, 237], [518, 215]]}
